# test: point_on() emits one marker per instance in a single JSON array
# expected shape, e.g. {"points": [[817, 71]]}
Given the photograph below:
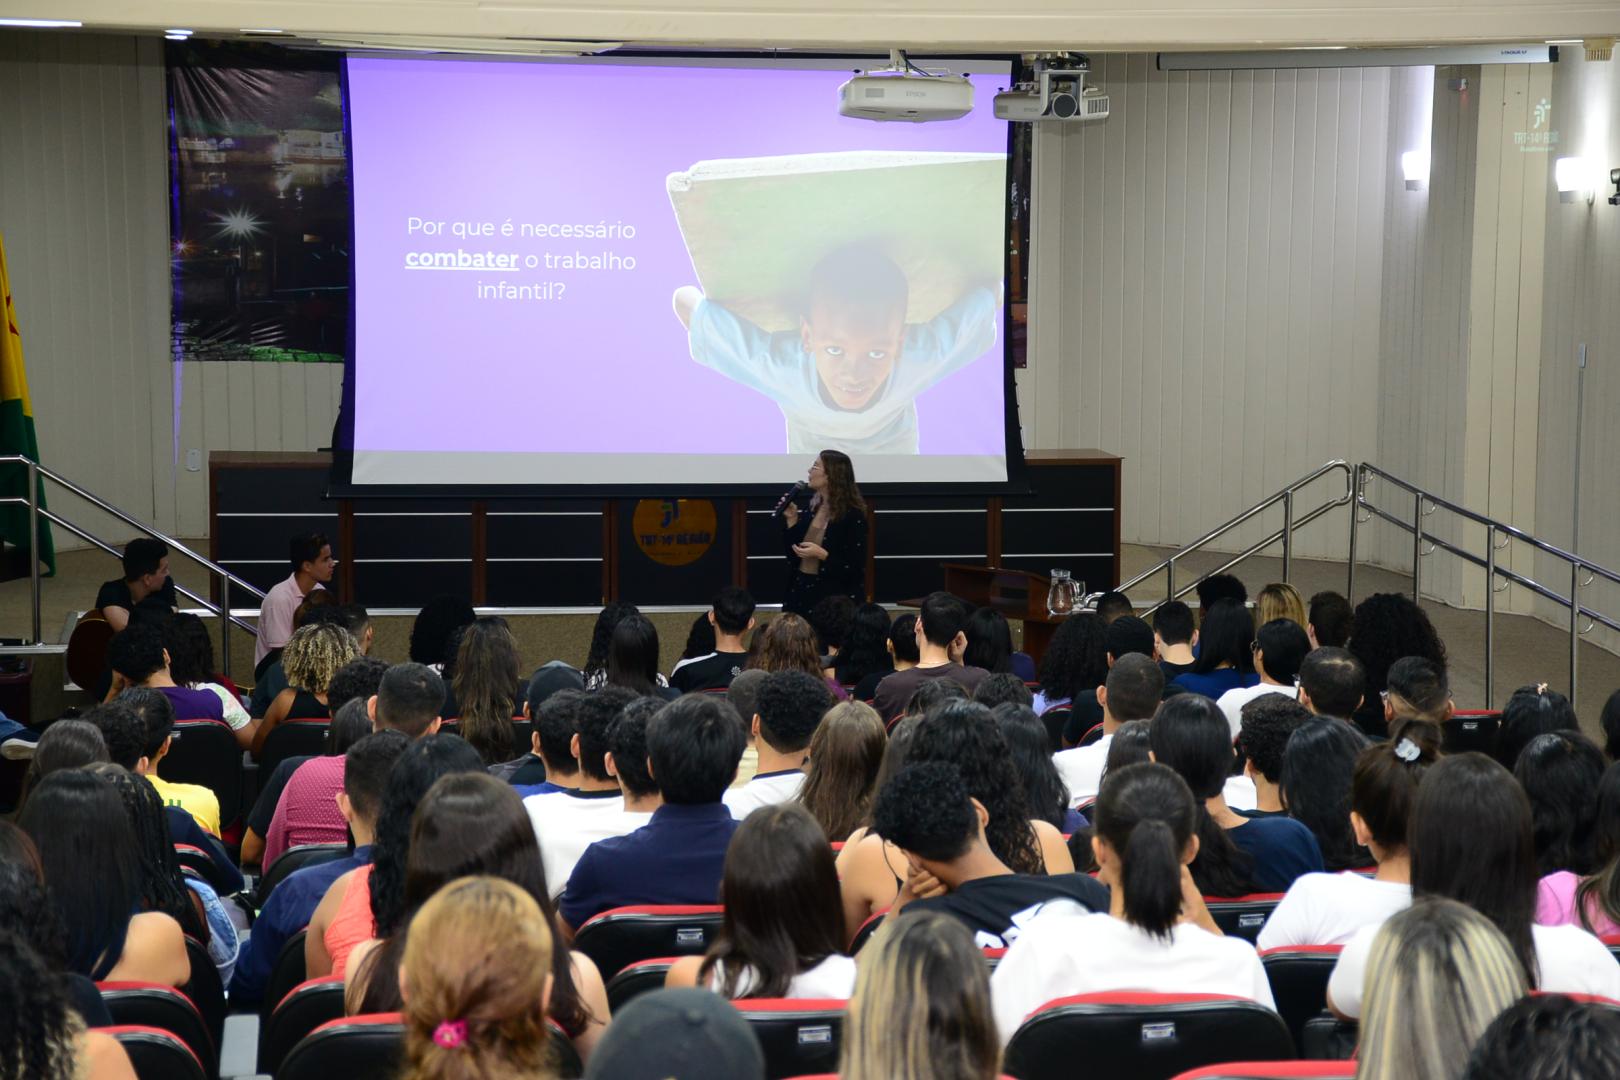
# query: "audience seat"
{"points": [[1143, 1036], [1472, 730], [1092, 734], [287, 973], [522, 736], [636, 979], [1274, 1070], [295, 858], [306, 1007], [206, 752], [798, 1035], [157, 1054], [196, 861], [1054, 719], [618, 938], [1299, 977], [371, 1047], [153, 1005], [292, 738], [864, 933], [1327, 1038], [205, 989], [993, 958], [1242, 916]]}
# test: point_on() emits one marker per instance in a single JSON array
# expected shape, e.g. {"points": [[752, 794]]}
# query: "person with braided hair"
{"points": [[45, 1039]]}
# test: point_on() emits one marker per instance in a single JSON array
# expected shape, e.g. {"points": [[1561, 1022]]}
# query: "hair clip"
{"points": [[450, 1034], [1407, 750], [1541, 688]]}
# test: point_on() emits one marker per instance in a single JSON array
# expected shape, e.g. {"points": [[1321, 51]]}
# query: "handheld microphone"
{"points": [[791, 495]]}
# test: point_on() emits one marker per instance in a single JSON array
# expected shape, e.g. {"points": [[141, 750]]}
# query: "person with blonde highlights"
{"points": [[1279, 600], [921, 1009], [1438, 974], [476, 981], [313, 655]]}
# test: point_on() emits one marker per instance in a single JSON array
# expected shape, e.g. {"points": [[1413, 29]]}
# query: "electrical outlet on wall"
{"points": [[193, 461]]}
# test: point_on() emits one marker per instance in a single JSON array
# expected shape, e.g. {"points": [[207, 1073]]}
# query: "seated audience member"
{"points": [[369, 901], [1317, 766], [1218, 587], [831, 618], [156, 712], [357, 620], [146, 591], [791, 705], [926, 813], [627, 757], [990, 646], [1531, 711], [901, 645], [922, 976], [1225, 652], [1471, 841], [1031, 753], [865, 654], [1266, 854], [963, 734], [935, 694], [318, 607], [528, 773], [730, 617], [693, 747], [679, 1034], [487, 683], [1132, 692], [1156, 936], [312, 567], [470, 823], [595, 669], [308, 811], [313, 656], [1417, 690], [1386, 627], [77, 820], [1175, 636], [1004, 689], [45, 1037], [1280, 600], [1550, 1035], [939, 634], [699, 642], [138, 659], [1326, 909], [1561, 773], [407, 700], [743, 693], [292, 903], [1332, 682], [66, 744], [1111, 605], [26, 910], [1124, 636], [1129, 746], [1327, 623], [787, 643], [567, 822], [1074, 664], [191, 665], [894, 759], [475, 984], [1609, 724], [1437, 976], [1265, 725], [1563, 897], [840, 780], [633, 659], [1280, 646], [781, 936], [555, 723]]}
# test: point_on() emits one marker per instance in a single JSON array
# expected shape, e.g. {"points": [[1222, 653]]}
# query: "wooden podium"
{"points": [[1017, 594]]}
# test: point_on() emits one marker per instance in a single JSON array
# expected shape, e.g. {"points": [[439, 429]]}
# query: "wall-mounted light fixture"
{"points": [[1614, 178], [1574, 178], [1415, 169]]}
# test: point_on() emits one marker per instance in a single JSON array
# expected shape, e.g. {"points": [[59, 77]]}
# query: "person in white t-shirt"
{"points": [[790, 706], [567, 822], [1131, 691], [1327, 909], [1157, 937], [1472, 841], [1279, 648], [782, 934]]}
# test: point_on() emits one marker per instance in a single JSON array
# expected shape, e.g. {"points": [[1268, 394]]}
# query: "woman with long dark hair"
{"points": [[467, 824], [66, 744], [1387, 627], [990, 646], [1561, 773], [435, 622], [1157, 936], [1225, 652], [596, 659], [787, 643], [1530, 712], [487, 683], [1032, 757], [866, 648], [825, 542], [1592, 902], [1075, 662], [1472, 841], [44, 1037], [633, 659], [1318, 762], [845, 754], [782, 936]]}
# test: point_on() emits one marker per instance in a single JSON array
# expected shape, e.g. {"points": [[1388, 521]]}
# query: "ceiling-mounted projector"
{"points": [[904, 91], [1058, 92]]}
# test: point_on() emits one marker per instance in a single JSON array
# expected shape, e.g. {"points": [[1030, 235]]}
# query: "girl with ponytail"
{"points": [[1157, 936]]}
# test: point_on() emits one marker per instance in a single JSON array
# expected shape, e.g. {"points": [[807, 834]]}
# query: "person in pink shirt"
{"points": [[1592, 902], [307, 812], [312, 567]]}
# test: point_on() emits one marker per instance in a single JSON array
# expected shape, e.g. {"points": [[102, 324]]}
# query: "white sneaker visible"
{"points": [[18, 749]]}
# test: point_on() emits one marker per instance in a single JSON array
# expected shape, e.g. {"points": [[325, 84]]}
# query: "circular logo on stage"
{"points": [[674, 532]]}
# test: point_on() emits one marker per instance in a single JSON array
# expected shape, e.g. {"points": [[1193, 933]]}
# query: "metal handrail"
{"points": [[36, 472], [1488, 562], [1291, 524]]}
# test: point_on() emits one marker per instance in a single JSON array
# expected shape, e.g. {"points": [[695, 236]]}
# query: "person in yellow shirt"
{"points": [[157, 714]]}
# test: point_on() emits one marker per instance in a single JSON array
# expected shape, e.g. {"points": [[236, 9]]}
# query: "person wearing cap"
{"points": [[529, 773], [677, 1034]]}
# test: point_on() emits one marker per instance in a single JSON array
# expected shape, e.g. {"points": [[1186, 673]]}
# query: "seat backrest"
{"points": [[798, 1035], [86, 659], [154, 1005], [303, 1009], [1092, 734], [1242, 916], [617, 938], [1053, 720], [1471, 731], [197, 861], [1273, 1070], [636, 979], [864, 932], [1299, 976], [1143, 1036], [206, 990], [287, 972], [1327, 1038], [156, 1054], [366, 1047], [292, 738], [293, 859], [522, 736], [206, 752]]}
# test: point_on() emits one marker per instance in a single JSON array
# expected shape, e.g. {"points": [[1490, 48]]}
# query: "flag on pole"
{"points": [[17, 431]]}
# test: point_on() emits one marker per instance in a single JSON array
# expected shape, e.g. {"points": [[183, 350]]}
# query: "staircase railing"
{"points": [[37, 472]]}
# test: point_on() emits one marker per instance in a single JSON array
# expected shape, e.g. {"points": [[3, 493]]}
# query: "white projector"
{"points": [[1055, 94], [901, 96]]}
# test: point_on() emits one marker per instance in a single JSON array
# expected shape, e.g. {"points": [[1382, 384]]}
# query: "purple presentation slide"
{"points": [[603, 273]]}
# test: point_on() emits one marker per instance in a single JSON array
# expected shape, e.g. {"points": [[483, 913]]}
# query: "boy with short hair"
{"points": [[791, 705], [732, 616]]}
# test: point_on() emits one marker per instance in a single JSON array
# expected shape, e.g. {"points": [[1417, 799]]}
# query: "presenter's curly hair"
{"points": [[842, 495]]}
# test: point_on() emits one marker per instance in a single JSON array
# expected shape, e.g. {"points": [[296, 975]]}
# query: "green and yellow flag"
{"points": [[17, 431]]}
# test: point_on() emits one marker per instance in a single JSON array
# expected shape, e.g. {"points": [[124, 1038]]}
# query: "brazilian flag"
{"points": [[17, 432]]}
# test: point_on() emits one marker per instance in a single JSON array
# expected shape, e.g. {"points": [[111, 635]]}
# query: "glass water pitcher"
{"points": [[1064, 594]]}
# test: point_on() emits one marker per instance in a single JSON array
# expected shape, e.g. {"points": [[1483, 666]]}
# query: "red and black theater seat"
{"points": [[291, 861], [1242, 916], [300, 1011], [617, 938], [1274, 1070], [157, 1054], [636, 979], [1299, 976], [798, 1035], [290, 739], [154, 1005], [206, 752]]}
